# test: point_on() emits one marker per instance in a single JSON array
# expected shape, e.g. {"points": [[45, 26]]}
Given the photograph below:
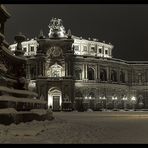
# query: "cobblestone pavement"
{"points": [[81, 127]]}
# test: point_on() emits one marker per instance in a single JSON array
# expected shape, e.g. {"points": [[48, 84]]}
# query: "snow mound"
{"points": [[89, 110]]}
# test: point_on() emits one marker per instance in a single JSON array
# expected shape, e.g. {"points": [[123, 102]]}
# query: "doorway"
{"points": [[54, 99]]}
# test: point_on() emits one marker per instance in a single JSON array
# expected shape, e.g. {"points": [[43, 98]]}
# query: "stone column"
{"points": [[103, 50], [96, 75], [107, 70], [66, 69], [28, 71], [86, 71], [109, 75], [109, 51], [83, 71], [43, 69], [118, 75], [126, 76], [40, 67], [98, 69]]}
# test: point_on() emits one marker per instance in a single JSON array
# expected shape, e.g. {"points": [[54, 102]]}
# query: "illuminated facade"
{"points": [[72, 72]]}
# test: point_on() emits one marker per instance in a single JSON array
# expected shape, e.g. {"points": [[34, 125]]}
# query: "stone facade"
{"points": [[65, 69]]}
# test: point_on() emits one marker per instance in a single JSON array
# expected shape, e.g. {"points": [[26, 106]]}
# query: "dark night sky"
{"points": [[125, 26]]}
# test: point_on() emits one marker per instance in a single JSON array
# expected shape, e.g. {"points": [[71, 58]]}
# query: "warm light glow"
{"points": [[104, 98], [124, 98], [114, 98], [86, 97], [53, 93], [90, 97], [133, 98]]}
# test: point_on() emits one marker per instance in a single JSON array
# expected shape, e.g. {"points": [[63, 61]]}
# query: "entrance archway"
{"points": [[54, 98]]}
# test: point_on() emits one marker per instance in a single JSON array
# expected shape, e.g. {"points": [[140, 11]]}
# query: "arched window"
{"points": [[114, 76], [103, 75], [122, 77], [91, 74], [78, 74], [140, 101], [92, 95], [78, 94], [55, 71], [139, 77]]}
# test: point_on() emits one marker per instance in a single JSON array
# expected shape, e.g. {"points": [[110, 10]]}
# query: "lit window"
{"points": [[93, 49], [76, 47], [106, 52], [84, 48], [32, 48], [25, 49]]}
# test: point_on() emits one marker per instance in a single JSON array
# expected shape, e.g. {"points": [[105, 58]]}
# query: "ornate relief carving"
{"points": [[54, 71], [54, 52]]}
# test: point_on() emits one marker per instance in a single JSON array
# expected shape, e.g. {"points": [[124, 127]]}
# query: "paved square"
{"points": [[81, 127]]}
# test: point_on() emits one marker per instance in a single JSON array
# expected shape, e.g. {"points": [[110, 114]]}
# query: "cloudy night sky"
{"points": [[125, 26]]}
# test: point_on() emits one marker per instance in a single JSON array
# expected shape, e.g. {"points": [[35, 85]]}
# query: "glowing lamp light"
{"points": [[85, 97], [90, 97], [133, 98], [103, 98], [124, 98], [114, 98]]}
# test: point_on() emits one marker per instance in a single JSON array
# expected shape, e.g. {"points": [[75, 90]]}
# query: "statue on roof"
{"points": [[57, 29]]}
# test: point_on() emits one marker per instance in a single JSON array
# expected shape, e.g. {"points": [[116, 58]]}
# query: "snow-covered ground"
{"points": [[85, 127]]}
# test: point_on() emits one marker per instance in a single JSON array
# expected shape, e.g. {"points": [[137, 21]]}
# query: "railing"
{"points": [[103, 82], [55, 78], [112, 59]]}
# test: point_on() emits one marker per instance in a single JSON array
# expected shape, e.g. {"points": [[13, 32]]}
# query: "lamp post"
{"points": [[102, 102], [124, 99], [86, 98], [114, 98], [133, 99]]}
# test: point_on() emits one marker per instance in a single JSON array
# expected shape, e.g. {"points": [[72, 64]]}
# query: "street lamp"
{"points": [[103, 98], [86, 97], [133, 99], [88, 100], [114, 98], [124, 99]]}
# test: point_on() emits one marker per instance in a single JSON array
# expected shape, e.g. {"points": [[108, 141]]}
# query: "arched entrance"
{"points": [[55, 99]]}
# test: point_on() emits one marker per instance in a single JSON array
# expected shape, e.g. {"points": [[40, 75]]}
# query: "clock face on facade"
{"points": [[54, 51]]}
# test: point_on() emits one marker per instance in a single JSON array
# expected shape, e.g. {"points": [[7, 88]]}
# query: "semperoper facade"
{"points": [[71, 72]]}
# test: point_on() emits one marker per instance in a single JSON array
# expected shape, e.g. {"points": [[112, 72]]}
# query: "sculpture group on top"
{"points": [[57, 29]]}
